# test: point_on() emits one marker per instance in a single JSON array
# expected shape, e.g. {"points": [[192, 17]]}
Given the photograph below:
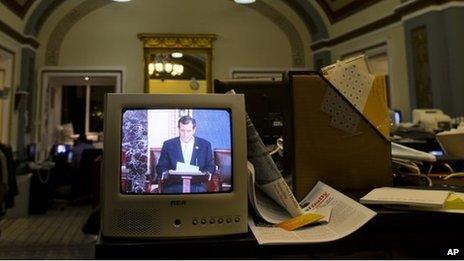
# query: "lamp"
{"points": [[161, 63], [244, 1]]}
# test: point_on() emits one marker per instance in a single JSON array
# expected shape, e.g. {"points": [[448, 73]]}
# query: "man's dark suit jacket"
{"points": [[171, 153]]}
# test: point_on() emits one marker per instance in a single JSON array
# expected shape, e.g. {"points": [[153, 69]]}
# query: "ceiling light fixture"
{"points": [[176, 55], [244, 1], [122, 1], [162, 64]]}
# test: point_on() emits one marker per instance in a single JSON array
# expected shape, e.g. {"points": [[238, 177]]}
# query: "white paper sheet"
{"points": [[184, 167]]}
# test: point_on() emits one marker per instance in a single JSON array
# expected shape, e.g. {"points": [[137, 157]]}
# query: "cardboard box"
{"points": [[328, 139]]}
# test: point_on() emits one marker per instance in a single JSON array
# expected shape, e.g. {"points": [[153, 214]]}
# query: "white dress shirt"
{"points": [[187, 149]]}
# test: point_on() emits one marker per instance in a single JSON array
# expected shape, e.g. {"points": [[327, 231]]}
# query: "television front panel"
{"points": [[149, 190]]}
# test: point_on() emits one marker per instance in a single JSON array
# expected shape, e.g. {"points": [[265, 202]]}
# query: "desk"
{"points": [[390, 234]]}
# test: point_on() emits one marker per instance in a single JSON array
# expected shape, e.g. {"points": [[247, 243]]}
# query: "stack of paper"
{"points": [[433, 200]]}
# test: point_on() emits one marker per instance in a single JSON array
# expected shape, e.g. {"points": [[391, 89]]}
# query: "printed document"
{"points": [[184, 167], [346, 217]]}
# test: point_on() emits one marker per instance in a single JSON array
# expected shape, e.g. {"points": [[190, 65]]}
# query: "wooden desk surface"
{"points": [[390, 234]]}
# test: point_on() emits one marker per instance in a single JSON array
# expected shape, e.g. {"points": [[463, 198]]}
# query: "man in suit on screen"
{"points": [[186, 149]]}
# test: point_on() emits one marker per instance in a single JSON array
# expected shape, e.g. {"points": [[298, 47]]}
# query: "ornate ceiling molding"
{"points": [[382, 22], [310, 17], [19, 8], [181, 41], [39, 16], [350, 7]]}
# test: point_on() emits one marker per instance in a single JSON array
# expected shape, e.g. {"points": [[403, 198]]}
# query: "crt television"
{"points": [[264, 101], [138, 129]]}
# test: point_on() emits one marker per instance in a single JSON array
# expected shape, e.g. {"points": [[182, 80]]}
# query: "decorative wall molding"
{"points": [[39, 16], [11, 32], [177, 40], [311, 18], [296, 43], [52, 53]]}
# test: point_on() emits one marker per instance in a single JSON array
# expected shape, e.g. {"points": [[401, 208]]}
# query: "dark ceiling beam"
{"points": [[310, 17], [378, 24], [345, 11], [18, 8], [11, 32]]}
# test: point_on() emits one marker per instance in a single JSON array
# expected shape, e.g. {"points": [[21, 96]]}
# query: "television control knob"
{"points": [[203, 221], [212, 221], [237, 219], [195, 221], [228, 220], [220, 220]]}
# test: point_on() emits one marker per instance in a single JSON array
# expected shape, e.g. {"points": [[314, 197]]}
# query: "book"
{"points": [[405, 196]]}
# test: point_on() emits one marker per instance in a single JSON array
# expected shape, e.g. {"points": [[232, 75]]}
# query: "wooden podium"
{"points": [[185, 178]]}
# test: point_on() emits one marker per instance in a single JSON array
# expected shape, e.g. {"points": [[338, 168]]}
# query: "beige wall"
{"points": [[108, 36]]}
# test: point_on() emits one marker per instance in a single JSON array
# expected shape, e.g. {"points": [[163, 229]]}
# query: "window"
{"points": [[83, 106]]}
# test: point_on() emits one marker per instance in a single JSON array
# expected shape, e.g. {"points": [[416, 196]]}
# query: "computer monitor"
{"points": [[397, 117], [31, 150], [148, 191], [264, 102]]}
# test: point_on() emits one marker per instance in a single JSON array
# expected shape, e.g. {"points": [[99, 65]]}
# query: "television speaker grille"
{"points": [[136, 222]]}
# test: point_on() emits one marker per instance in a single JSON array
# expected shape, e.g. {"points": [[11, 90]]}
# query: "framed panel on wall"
{"points": [[421, 68], [7, 61], [2, 95], [178, 63]]}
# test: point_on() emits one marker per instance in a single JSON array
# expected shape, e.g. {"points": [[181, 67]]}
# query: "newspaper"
{"points": [[346, 217], [268, 209], [268, 177]]}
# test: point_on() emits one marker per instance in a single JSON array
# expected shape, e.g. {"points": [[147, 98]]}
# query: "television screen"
{"points": [[176, 151]]}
